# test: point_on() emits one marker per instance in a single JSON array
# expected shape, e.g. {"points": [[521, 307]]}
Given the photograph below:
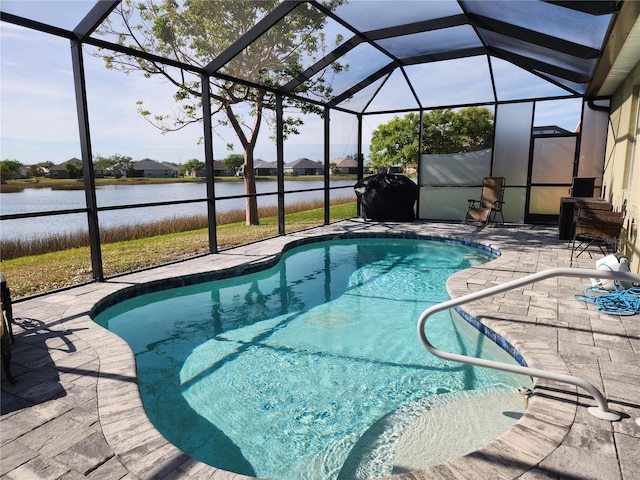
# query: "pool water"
{"points": [[279, 374]]}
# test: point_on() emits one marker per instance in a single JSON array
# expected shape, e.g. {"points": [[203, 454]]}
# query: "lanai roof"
{"points": [[405, 55]]}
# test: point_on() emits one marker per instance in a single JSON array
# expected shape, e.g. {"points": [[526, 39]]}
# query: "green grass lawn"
{"points": [[38, 274]]}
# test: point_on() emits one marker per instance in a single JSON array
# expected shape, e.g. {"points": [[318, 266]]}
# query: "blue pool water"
{"points": [[278, 374]]}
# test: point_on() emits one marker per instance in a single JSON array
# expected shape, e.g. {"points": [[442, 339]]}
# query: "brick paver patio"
{"points": [[76, 411]]}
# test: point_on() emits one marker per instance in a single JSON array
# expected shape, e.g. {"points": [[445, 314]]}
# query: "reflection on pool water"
{"points": [[281, 373]]}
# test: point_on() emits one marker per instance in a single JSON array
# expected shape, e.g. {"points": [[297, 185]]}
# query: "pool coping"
{"points": [[131, 445]]}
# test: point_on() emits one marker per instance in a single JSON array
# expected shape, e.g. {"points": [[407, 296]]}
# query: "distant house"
{"points": [[551, 130], [219, 170], [264, 168], [62, 172], [345, 165], [148, 168], [303, 166], [261, 168]]}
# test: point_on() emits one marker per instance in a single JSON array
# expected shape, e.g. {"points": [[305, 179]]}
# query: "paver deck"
{"points": [[76, 411]]}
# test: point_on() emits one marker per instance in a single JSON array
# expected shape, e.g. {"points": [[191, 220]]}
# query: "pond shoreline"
{"points": [[72, 184]]}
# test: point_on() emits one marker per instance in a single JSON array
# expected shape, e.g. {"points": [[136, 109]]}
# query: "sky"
{"points": [[38, 116], [38, 119]]}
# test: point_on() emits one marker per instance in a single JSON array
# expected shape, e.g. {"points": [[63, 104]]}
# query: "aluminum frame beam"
{"points": [[535, 38], [94, 18], [537, 65], [592, 7], [252, 35], [87, 160], [208, 163], [323, 63]]}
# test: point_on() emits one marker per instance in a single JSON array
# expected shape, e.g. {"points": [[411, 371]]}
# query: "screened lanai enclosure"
{"points": [[280, 81]]}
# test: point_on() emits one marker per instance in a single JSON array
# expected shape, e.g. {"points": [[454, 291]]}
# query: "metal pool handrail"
{"points": [[602, 410]]}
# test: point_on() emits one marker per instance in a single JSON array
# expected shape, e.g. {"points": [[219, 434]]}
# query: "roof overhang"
{"points": [[621, 52]]}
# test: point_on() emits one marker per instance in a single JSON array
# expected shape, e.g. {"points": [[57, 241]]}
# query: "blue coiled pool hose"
{"points": [[613, 302]]}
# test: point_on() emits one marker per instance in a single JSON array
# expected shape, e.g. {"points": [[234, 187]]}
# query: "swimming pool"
{"points": [[295, 371]]}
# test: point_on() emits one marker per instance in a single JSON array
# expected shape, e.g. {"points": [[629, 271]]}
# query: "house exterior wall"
{"points": [[153, 173], [217, 172], [265, 172], [302, 171], [621, 180], [158, 173], [58, 173], [62, 173]]}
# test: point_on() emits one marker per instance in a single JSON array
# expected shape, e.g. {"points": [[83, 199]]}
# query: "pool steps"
{"points": [[602, 409]]}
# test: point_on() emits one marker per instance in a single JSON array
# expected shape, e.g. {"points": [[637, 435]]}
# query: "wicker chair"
{"points": [[595, 227]]}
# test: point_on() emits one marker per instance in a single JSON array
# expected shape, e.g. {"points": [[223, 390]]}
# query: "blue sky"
{"points": [[39, 122]]}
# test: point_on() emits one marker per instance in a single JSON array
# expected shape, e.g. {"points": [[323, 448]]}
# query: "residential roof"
{"points": [[170, 165], [264, 164], [63, 165], [148, 164], [345, 162], [303, 163]]}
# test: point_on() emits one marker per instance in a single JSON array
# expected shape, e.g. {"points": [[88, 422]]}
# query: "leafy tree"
{"points": [[74, 168], [35, 171], [233, 161], [444, 131], [441, 133], [193, 165], [199, 30], [476, 127], [465, 130], [396, 142], [9, 169], [120, 165]]}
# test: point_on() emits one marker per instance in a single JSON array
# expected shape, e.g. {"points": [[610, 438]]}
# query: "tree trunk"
{"points": [[248, 145], [248, 172]]}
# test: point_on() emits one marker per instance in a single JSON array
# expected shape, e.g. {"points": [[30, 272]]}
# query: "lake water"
{"points": [[45, 199]]}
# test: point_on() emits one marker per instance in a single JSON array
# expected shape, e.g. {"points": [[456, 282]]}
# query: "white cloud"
{"points": [[15, 89], [10, 31]]}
